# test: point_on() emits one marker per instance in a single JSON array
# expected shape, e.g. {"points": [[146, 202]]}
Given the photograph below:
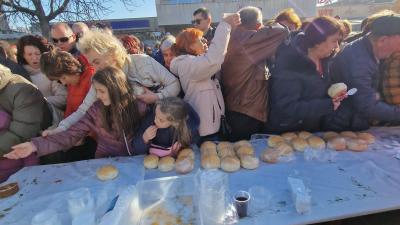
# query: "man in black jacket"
{"points": [[202, 21], [358, 66]]}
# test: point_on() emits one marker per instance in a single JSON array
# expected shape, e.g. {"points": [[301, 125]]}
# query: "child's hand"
{"points": [[175, 148], [21, 151], [149, 134]]}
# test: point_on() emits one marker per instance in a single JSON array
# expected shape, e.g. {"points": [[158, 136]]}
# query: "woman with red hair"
{"points": [[195, 65]]}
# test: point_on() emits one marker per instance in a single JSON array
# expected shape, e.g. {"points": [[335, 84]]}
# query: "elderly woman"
{"points": [[300, 81], [149, 79], [30, 49], [195, 65], [23, 114]]}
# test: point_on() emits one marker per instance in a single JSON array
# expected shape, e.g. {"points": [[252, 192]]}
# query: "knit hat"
{"points": [[386, 25]]}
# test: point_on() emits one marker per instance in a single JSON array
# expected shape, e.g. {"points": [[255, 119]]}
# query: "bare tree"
{"points": [[43, 11]]}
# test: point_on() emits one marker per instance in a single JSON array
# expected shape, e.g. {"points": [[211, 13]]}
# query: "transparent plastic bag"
{"points": [[300, 195], [319, 155], [260, 199]]}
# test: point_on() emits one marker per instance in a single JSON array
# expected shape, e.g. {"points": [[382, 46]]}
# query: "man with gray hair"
{"points": [[64, 38], [245, 73], [79, 29]]}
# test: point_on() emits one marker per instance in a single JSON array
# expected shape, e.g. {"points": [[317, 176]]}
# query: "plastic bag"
{"points": [[300, 195]]}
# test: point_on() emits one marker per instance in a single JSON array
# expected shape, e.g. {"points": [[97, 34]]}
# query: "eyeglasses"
{"points": [[63, 39], [196, 21]]}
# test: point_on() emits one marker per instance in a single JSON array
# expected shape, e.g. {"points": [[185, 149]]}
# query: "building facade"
{"points": [[173, 15]]}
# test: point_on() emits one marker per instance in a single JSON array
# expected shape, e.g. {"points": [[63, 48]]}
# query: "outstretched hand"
{"points": [[21, 151], [233, 19]]}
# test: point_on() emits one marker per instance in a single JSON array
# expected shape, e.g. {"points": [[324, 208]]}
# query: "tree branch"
{"points": [[19, 8], [62, 8]]}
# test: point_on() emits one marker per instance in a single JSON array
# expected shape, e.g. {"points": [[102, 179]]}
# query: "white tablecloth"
{"points": [[348, 184]]}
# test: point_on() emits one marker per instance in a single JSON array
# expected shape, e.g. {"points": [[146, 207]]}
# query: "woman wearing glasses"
{"points": [[195, 65], [30, 49]]}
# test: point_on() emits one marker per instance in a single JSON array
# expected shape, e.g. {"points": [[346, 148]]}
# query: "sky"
{"points": [[146, 8]]}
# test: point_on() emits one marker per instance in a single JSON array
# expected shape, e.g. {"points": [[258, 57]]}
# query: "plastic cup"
{"points": [[260, 199], [80, 201], [46, 217], [242, 199]]}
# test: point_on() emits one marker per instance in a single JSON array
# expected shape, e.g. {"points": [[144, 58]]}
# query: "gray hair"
{"points": [[167, 42], [250, 16], [67, 28]]}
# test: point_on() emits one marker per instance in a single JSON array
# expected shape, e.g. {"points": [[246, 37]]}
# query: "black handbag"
{"points": [[225, 129]]}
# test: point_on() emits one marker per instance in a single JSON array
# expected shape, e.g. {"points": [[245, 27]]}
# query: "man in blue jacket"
{"points": [[358, 66]]}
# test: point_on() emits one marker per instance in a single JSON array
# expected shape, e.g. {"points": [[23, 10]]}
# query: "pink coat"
{"points": [[108, 144], [203, 92]]}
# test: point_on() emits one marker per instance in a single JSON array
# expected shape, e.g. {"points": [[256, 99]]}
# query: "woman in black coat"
{"points": [[300, 80]]}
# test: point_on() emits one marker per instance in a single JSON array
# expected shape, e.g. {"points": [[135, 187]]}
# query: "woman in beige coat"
{"points": [[195, 65]]}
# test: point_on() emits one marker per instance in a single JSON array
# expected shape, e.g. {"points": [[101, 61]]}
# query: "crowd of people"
{"points": [[89, 94]]}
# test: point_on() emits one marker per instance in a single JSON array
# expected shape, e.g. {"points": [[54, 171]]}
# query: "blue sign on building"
{"points": [[130, 24]]}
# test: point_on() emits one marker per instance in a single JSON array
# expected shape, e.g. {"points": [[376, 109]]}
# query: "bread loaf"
{"points": [[348, 134], [337, 143], [316, 142], [230, 164], [304, 134], [242, 143], [184, 165], [356, 145], [245, 150], [166, 164], [330, 134], [150, 161], [270, 155], [289, 136], [274, 140], [337, 89], [108, 172], [210, 162], [284, 149], [299, 144], [369, 138], [249, 162], [187, 152]]}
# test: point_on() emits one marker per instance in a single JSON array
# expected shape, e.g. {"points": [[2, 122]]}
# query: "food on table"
{"points": [[289, 136], [316, 142], [150, 161], [184, 165], [242, 143], [337, 143], [187, 152], [249, 162], [245, 150], [284, 149], [274, 140], [356, 145], [369, 138], [210, 162], [224, 144], [348, 134], [230, 164], [108, 172], [270, 155], [8, 190], [166, 164], [304, 134], [226, 151], [208, 145], [330, 134], [299, 144]]}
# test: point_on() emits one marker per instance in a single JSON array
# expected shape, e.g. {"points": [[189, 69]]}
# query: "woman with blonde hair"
{"points": [[289, 18], [149, 79]]}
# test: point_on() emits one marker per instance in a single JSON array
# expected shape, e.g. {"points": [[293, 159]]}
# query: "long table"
{"points": [[344, 184]]}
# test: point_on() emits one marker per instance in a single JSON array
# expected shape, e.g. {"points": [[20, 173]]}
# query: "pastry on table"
{"points": [[187, 152], [336, 90], [348, 134], [369, 138], [337, 143], [242, 143], [330, 134], [316, 142], [270, 155], [304, 134], [8, 190], [184, 165], [356, 145], [299, 144], [209, 151], [150, 161], [224, 144], [288, 136], [274, 140], [166, 164], [284, 149], [230, 164], [226, 151], [108, 172], [245, 150], [249, 162], [208, 145], [210, 162]]}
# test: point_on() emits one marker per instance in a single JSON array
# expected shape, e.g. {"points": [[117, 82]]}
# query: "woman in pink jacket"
{"points": [[195, 65], [113, 118]]}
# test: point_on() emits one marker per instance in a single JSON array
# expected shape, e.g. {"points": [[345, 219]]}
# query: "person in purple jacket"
{"points": [[114, 118]]}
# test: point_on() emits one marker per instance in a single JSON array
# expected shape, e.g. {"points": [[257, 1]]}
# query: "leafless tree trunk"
{"points": [[41, 12]]}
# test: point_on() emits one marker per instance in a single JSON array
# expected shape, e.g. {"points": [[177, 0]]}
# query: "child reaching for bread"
{"points": [[173, 125]]}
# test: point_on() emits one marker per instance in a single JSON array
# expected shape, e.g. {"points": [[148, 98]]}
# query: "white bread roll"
{"points": [[299, 144], [337, 89], [330, 134], [208, 145], [108, 172], [224, 144], [150, 161], [210, 162], [356, 145], [337, 143], [226, 151], [288, 136], [369, 138], [209, 151], [249, 162], [348, 134], [316, 142], [245, 150], [187, 152], [274, 140], [284, 149], [304, 134], [230, 164], [184, 165], [166, 164], [270, 155], [242, 143]]}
